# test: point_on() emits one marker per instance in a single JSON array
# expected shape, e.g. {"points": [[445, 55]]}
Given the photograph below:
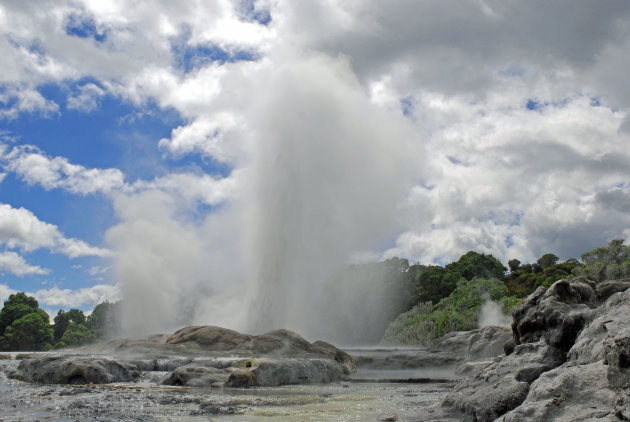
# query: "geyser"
{"points": [[330, 171], [325, 173]]}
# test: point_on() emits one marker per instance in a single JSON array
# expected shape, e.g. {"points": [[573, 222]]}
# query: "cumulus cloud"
{"points": [[74, 298], [35, 167], [16, 101], [20, 228], [87, 98], [5, 292], [14, 263]]}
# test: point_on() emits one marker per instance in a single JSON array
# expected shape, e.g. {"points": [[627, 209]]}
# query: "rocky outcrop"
{"points": [[74, 370], [486, 342], [568, 360], [202, 356]]}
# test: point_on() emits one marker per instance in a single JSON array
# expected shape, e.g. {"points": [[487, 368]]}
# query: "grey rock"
{"points": [[272, 372], [502, 385], [74, 370], [201, 356], [568, 393], [611, 319], [486, 342], [607, 288], [557, 314], [193, 375]]}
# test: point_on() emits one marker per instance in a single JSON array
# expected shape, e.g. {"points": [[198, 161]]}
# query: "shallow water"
{"points": [[370, 395], [330, 402]]}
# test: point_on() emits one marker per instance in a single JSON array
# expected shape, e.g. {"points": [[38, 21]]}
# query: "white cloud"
{"points": [[205, 135], [98, 270], [34, 167], [69, 298], [87, 98], [5, 292], [20, 228], [25, 100], [14, 263]]}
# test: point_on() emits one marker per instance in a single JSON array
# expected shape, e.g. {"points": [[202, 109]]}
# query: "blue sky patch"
{"points": [[193, 57], [84, 27], [189, 58], [532, 105], [408, 105], [249, 12]]}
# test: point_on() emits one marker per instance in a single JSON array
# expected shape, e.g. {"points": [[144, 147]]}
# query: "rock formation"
{"points": [[203, 356], [568, 360]]}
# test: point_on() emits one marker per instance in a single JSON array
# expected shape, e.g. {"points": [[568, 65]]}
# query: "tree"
{"points": [[435, 283], [29, 332], [61, 324], [473, 265], [76, 316], [64, 320], [606, 263], [76, 335], [16, 307], [547, 260], [514, 264]]}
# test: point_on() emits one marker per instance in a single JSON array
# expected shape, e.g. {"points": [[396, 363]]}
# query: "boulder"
{"points": [[486, 342], [74, 370], [502, 385], [571, 393]]}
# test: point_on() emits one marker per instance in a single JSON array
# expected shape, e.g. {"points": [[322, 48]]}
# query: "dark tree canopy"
{"points": [[16, 307], [435, 282], [547, 260], [24, 326], [61, 324], [514, 264]]}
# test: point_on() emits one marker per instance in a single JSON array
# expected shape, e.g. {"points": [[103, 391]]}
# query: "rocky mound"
{"points": [[203, 356], [568, 360]]}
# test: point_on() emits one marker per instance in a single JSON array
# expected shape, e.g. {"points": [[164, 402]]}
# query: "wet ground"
{"points": [[369, 396]]}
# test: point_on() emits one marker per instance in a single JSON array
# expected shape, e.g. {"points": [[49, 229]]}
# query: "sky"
{"points": [[180, 148]]}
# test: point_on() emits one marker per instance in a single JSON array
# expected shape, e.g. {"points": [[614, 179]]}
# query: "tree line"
{"points": [[450, 298], [25, 326]]}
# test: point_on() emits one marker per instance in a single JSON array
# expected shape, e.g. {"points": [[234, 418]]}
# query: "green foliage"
{"points": [[76, 334], [526, 278], [61, 323], [514, 264], [16, 307], [547, 260], [29, 332], [459, 311], [606, 263], [435, 283], [71, 329]]}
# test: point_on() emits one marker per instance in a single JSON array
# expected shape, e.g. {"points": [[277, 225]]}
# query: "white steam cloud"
{"points": [[491, 313]]}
